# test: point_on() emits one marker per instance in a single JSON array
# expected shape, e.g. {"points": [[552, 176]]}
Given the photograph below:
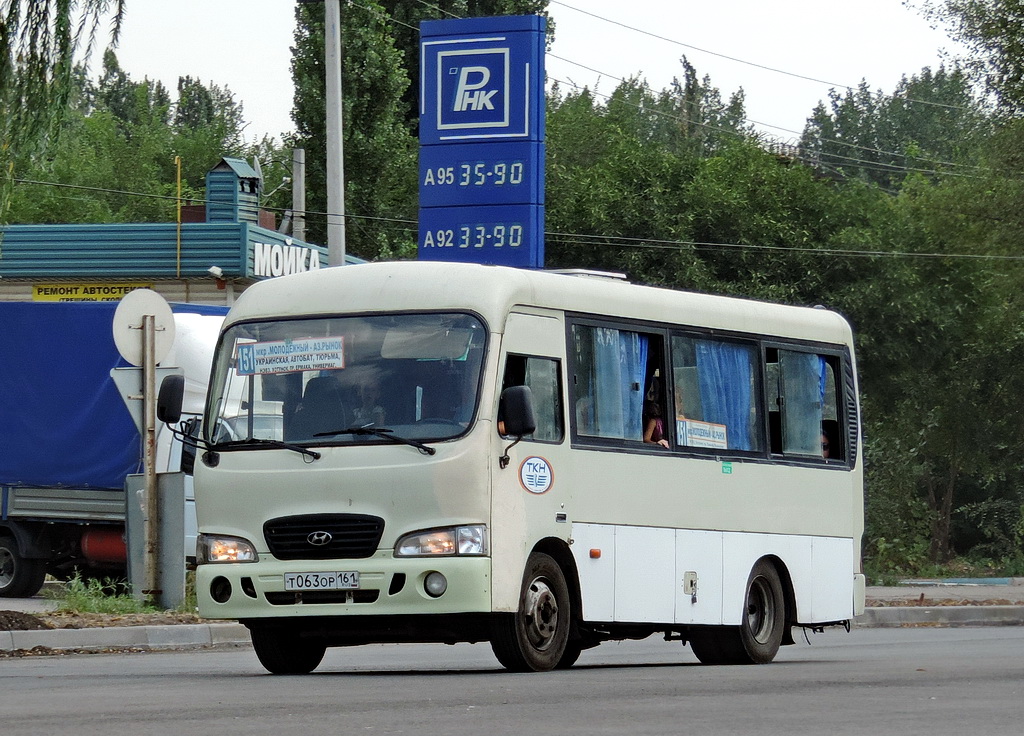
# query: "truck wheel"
{"points": [[283, 652], [19, 577], [534, 639]]}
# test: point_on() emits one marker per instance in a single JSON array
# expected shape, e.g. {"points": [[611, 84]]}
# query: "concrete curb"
{"points": [[895, 616], [947, 582], [154, 638]]}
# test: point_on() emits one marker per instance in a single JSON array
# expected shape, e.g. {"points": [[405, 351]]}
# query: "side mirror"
{"points": [[170, 399], [515, 410]]}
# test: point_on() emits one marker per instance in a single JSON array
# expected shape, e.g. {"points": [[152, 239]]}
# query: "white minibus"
{"points": [[449, 452]]}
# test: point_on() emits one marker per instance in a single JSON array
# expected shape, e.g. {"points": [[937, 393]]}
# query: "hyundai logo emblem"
{"points": [[319, 539]]}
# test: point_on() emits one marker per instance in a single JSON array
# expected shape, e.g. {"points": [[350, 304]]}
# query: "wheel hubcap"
{"points": [[6, 567], [540, 614], [760, 610]]}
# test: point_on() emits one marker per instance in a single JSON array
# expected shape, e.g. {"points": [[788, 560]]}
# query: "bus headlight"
{"points": [[212, 549], [459, 540]]}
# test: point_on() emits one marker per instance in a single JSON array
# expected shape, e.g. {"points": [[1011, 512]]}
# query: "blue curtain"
{"points": [[633, 358], [724, 373], [620, 359]]}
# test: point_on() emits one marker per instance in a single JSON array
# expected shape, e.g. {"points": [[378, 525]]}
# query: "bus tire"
{"points": [[535, 638], [758, 637], [572, 652], [19, 577], [283, 652], [708, 646]]}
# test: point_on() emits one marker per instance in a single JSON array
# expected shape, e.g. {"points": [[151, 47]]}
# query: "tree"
{"points": [[207, 123], [614, 180], [38, 42], [120, 139], [639, 183], [931, 122], [380, 155], [993, 33]]}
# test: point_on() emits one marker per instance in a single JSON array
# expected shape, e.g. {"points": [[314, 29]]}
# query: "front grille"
{"points": [[351, 536]]}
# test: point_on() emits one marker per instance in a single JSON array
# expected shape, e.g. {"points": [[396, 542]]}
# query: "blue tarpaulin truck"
{"points": [[67, 442]]}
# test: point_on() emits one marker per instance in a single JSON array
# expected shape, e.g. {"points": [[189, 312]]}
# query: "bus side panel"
{"points": [[698, 558], [644, 574], [742, 551], [832, 572], [632, 574], [593, 547], [821, 569]]}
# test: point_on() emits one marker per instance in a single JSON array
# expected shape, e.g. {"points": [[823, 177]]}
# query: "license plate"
{"points": [[321, 580]]}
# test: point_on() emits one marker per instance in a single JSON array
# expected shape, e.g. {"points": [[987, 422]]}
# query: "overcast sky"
{"points": [[245, 45]]}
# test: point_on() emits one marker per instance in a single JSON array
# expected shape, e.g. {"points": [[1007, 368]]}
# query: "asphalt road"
{"points": [[881, 681]]}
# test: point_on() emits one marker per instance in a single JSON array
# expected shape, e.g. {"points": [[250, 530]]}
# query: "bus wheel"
{"points": [[285, 653], [572, 652], [758, 637], [534, 639], [19, 577]]}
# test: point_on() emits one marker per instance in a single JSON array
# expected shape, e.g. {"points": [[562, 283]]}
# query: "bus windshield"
{"points": [[346, 380]]}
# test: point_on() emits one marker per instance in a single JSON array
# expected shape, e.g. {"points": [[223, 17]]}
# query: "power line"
{"points": [[613, 241], [654, 243], [199, 200], [733, 58], [384, 15], [860, 163], [439, 9]]}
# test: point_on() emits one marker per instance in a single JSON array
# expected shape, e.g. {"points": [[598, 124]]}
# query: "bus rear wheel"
{"points": [[283, 652], [758, 637], [534, 639]]}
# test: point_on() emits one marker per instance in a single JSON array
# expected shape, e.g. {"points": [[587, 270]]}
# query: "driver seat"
{"points": [[322, 409]]}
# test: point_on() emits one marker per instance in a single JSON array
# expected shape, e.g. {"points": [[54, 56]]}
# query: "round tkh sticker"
{"points": [[536, 475]]}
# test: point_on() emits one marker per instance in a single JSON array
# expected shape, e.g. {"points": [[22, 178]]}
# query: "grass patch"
{"points": [[190, 604], [91, 595], [961, 567]]}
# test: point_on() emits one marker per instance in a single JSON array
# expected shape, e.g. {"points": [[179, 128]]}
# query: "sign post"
{"points": [[153, 590], [143, 333], [482, 141]]}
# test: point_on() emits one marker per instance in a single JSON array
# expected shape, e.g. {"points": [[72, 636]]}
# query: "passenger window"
{"points": [[715, 394], [613, 372], [543, 376], [803, 400]]}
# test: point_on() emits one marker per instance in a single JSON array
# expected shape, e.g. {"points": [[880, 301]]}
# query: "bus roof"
{"points": [[492, 291]]}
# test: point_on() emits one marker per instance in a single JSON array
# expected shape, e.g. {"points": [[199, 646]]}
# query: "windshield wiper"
{"points": [[382, 432], [254, 443]]}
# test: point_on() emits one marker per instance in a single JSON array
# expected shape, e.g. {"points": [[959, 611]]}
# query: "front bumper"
{"points": [[389, 586]]}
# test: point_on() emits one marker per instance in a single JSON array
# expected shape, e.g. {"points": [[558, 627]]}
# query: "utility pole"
{"points": [[299, 193], [335, 150]]}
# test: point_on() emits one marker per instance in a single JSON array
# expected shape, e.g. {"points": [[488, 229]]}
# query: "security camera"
{"points": [[216, 271]]}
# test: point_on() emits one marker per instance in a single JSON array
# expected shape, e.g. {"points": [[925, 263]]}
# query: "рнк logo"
{"points": [[469, 94], [473, 88]]}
